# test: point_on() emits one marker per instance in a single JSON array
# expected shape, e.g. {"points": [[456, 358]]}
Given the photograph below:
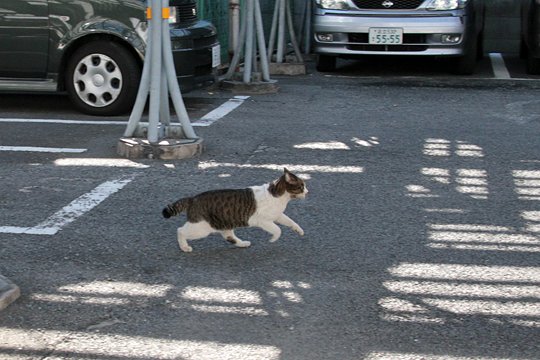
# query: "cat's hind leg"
{"points": [[230, 236], [192, 231]]}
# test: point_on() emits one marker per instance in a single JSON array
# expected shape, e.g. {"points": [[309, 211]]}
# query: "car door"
{"points": [[24, 37]]}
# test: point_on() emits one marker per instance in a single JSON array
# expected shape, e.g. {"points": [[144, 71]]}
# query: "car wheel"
{"points": [[466, 63], [523, 51], [533, 65], [480, 47], [102, 78], [326, 63]]}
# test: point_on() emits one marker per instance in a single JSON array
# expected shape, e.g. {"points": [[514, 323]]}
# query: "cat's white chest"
{"points": [[268, 206]]}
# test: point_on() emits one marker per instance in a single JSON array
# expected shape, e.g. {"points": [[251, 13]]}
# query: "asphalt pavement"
{"points": [[422, 227]]}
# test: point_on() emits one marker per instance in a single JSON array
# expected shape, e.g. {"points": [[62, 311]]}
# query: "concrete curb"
{"points": [[166, 149], [253, 88], [442, 82], [9, 292]]}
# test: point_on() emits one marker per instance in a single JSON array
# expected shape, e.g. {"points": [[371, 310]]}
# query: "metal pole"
{"points": [[248, 58], [273, 31], [155, 73], [292, 34], [238, 51], [174, 88], [234, 25], [281, 32], [260, 38], [144, 87], [164, 110], [307, 30]]}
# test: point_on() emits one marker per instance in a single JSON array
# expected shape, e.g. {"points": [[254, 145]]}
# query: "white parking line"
{"points": [[41, 149], [221, 111], [499, 68], [72, 211], [207, 120], [61, 121]]}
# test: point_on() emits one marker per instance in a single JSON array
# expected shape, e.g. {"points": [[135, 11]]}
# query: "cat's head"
{"points": [[289, 184]]}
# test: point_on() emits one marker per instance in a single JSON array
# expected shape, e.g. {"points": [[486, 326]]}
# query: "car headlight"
{"points": [[173, 19], [446, 4], [333, 4]]}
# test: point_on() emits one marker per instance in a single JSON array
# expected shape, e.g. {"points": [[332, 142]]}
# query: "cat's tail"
{"points": [[176, 207]]}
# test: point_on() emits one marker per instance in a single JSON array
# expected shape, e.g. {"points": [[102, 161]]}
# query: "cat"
{"points": [[222, 211]]}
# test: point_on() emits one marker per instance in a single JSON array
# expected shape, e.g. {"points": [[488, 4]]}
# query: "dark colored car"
{"points": [[94, 49], [530, 35]]}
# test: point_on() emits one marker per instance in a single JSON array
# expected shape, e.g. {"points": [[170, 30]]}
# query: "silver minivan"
{"points": [[351, 28]]}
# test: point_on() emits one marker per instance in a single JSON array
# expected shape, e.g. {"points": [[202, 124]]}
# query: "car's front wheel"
{"points": [[466, 64], [102, 78], [326, 63]]}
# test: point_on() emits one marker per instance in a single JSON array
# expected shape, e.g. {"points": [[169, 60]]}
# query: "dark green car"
{"points": [[94, 49]]}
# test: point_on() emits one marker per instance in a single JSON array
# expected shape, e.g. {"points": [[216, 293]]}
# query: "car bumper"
{"points": [[193, 50], [422, 35]]}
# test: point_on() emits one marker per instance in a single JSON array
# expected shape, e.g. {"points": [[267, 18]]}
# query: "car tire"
{"points": [[523, 51], [326, 63], [533, 65], [465, 64], [102, 78]]}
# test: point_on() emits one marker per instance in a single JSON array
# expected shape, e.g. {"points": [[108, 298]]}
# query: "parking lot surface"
{"points": [[422, 226]]}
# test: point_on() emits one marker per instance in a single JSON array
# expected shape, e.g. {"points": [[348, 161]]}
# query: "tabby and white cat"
{"points": [[222, 211]]}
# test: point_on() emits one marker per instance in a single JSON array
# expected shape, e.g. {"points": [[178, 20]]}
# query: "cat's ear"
{"points": [[289, 176]]}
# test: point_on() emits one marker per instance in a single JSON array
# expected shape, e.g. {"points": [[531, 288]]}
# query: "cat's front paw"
{"points": [[298, 230], [186, 248]]}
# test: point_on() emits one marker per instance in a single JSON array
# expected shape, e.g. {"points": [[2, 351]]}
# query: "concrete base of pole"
{"points": [[254, 87], [287, 68], [9, 292], [166, 149]]}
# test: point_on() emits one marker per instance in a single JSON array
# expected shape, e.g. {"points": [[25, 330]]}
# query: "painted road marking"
{"points": [[221, 111], [279, 167], [207, 120], [499, 68], [61, 121], [41, 149], [72, 211]]}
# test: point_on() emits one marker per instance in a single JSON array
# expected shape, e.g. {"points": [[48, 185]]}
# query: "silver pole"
{"points": [[307, 31], [273, 31], [238, 51], [174, 88], [234, 25], [281, 32], [159, 79], [262, 46], [292, 34], [155, 73], [164, 111], [142, 93], [248, 55]]}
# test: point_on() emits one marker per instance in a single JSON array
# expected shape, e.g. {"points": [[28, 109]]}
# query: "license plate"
{"points": [[386, 36], [216, 55]]}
